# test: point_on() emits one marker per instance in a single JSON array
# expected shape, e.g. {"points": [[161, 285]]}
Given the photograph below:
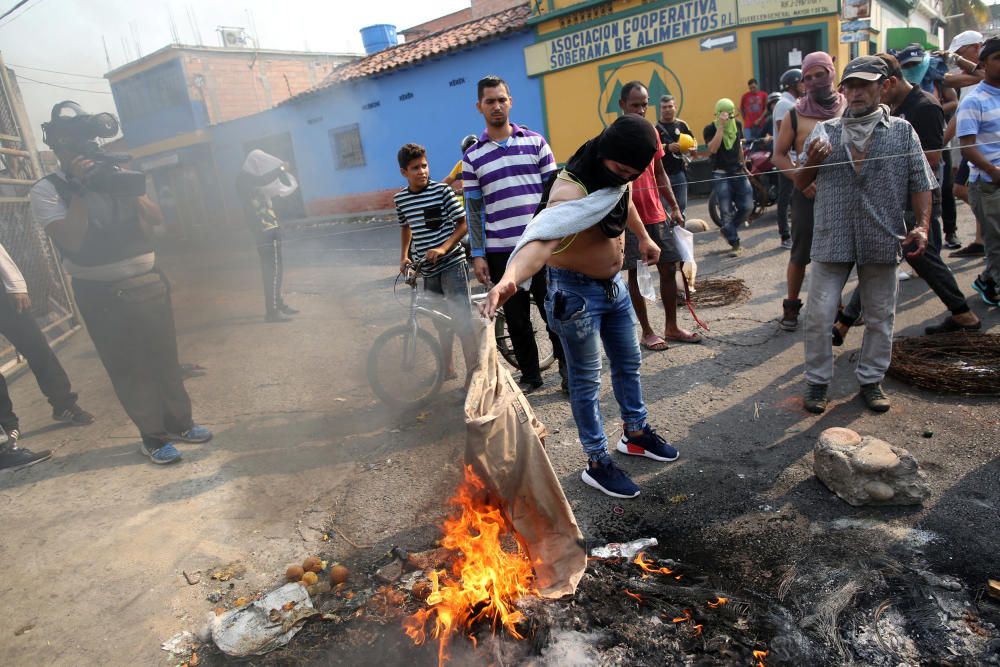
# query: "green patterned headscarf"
{"points": [[729, 127]]}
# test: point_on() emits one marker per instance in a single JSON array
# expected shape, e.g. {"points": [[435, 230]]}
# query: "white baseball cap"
{"points": [[966, 38]]}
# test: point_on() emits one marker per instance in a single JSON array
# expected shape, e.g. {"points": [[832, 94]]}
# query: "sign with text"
{"points": [[639, 31], [854, 26], [726, 41], [854, 37], [856, 9], [759, 11]]}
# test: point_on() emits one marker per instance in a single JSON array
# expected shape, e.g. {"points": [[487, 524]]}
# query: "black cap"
{"points": [[867, 68]]}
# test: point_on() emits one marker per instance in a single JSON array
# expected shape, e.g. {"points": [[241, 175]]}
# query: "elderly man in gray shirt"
{"points": [[865, 166]]}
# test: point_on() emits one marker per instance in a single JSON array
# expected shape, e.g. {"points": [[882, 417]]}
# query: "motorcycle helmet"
{"points": [[790, 78], [773, 98], [468, 141]]}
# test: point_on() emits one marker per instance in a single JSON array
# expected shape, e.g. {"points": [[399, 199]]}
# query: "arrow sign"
{"points": [[727, 42], [856, 25]]}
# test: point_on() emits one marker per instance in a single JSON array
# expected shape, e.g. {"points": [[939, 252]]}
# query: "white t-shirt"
{"points": [[47, 207]]}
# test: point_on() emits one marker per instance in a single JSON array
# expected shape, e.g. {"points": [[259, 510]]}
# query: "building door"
{"points": [[778, 54], [280, 146]]}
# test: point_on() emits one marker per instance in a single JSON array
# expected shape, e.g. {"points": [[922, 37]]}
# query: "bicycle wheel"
{"points": [[404, 370], [506, 350]]}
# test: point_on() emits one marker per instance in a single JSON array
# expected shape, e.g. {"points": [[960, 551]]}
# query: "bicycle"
{"points": [[405, 365]]}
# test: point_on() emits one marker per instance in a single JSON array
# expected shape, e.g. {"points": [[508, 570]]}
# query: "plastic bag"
{"points": [[645, 279]]}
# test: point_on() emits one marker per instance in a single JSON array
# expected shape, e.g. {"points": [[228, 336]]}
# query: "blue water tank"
{"points": [[378, 37]]}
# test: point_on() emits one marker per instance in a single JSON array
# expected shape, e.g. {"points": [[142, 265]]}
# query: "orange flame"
{"points": [[759, 657], [698, 629], [635, 596], [485, 581], [685, 618], [719, 601], [647, 564]]}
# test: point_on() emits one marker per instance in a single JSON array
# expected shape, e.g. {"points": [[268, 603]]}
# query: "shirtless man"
{"points": [[821, 102], [587, 302]]}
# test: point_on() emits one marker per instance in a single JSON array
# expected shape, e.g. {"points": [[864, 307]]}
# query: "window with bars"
{"points": [[346, 144]]}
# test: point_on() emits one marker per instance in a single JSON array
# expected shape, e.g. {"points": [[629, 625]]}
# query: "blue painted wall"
{"points": [[432, 103], [154, 105]]}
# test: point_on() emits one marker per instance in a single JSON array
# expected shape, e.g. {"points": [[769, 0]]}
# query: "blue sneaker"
{"points": [[987, 290], [608, 478], [649, 444], [195, 434], [162, 455]]}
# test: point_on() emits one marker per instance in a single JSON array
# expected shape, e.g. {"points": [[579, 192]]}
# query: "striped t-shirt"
{"points": [[508, 178], [979, 116], [431, 215]]}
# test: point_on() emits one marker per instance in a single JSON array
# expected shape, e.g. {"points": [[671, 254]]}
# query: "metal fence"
{"points": [[28, 245]]}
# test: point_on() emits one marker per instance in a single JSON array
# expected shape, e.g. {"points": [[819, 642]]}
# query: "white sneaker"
{"points": [[903, 275]]}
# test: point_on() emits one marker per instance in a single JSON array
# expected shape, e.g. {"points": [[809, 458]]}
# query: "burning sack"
{"points": [[504, 447]]}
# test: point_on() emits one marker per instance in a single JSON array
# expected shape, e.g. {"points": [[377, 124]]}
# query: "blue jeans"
{"points": [[735, 196], [679, 184], [585, 313]]}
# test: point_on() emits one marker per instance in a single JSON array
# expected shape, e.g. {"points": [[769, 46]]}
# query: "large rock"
{"points": [[868, 471]]}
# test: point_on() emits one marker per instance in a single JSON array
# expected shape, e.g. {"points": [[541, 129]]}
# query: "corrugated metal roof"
{"points": [[437, 44]]}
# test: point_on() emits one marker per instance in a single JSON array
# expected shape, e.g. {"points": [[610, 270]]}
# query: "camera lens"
{"points": [[104, 125]]}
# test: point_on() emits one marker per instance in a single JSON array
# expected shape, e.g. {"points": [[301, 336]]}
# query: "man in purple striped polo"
{"points": [[503, 174]]}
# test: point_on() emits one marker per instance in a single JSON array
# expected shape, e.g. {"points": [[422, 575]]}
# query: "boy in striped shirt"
{"points": [[432, 225], [978, 131]]}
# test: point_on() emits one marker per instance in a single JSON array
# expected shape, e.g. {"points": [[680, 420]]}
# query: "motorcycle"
{"points": [[764, 178]]}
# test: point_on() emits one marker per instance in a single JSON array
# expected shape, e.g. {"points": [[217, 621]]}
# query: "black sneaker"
{"points": [[13, 457], [874, 397], [790, 317], [608, 478], [74, 415], [530, 386], [987, 290], [647, 444], [288, 310], [815, 398], [971, 250], [951, 242]]}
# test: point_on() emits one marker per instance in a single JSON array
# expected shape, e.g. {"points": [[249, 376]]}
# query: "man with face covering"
{"points": [[821, 102], [262, 178], [578, 235], [859, 220], [729, 185]]}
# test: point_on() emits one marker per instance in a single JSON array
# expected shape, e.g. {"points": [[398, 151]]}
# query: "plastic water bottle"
{"points": [[645, 280], [623, 550]]}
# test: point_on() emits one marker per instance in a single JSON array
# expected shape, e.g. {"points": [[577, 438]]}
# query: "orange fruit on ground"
{"points": [[309, 578], [294, 573], [312, 564], [338, 574]]}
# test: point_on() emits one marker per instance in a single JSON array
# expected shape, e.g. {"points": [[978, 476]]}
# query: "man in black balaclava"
{"points": [[579, 235]]}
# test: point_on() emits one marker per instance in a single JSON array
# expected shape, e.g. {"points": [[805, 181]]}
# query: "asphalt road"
{"points": [[96, 542]]}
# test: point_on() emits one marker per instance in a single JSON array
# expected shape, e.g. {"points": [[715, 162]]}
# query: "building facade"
{"points": [[696, 50], [341, 138], [167, 102]]}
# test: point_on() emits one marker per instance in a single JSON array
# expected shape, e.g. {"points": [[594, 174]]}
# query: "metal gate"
{"points": [[778, 54], [29, 246]]}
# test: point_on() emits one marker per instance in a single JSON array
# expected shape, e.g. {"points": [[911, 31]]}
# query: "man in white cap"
{"points": [[859, 221]]}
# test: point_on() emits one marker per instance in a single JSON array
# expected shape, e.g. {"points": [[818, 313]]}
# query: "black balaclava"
{"points": [[630, 140]]}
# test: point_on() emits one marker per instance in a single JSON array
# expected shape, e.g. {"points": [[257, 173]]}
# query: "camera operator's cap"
{"points": [[967, 38], [990, 46], [867, 68], [914, 53]]}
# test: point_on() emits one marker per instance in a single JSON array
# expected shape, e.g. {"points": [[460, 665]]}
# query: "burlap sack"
{"points": [[504, 447]]}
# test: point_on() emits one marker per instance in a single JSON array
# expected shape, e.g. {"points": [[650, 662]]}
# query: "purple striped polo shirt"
{"points": [[509, 180]]}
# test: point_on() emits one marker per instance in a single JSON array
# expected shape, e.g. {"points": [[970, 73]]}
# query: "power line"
{"points": [[21, 14], [13, 9], [55, 71], [57, 85]]}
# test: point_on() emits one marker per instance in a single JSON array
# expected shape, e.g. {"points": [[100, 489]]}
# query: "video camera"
{"points": [[78, 133]]}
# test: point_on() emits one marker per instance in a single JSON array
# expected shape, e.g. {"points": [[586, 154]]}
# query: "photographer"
{"points": [[98, 216]]}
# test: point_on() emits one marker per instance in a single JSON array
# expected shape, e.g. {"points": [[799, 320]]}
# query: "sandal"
{"points": [[654, 343], [838, 338], [692, 337]]}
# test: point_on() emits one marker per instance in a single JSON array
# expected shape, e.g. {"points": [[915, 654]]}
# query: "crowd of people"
{"points": [[867, 180]]}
